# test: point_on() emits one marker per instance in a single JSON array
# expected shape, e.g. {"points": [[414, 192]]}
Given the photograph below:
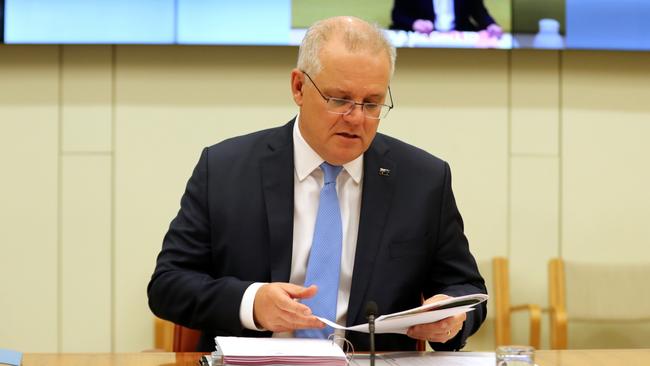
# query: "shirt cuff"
{"points": [[246, 306]]}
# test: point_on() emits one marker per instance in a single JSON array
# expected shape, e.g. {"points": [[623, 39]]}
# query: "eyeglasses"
{"points": [[345, 106]]}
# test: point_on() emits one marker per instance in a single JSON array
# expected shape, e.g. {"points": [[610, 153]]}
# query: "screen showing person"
{"points": [[426, 16]]}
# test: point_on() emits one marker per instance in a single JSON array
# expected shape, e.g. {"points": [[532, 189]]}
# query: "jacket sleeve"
{"points": [[405, 12], [454, 271], [183, 288], [481, 15]]}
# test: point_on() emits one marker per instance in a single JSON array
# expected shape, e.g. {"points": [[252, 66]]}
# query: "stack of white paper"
{"points": [[274, 351]]}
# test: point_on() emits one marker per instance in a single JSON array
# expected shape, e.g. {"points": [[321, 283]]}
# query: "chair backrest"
{"points": [[185, 339], [504, 309], [597, 293], [170, 337], [604, 291], [497, 329], [163, 335], [500, 296]]}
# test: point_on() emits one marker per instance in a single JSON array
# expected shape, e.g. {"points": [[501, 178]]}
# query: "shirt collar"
{"points": [[306, 160]]}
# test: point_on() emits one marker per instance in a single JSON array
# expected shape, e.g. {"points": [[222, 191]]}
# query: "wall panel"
{"points": [[534, 211], [535, 102], [606, 165], [86, 253], [29, 100], [86, 93]]}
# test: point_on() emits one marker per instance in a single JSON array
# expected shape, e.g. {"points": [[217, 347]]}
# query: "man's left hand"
{"points": [[440, 331]]}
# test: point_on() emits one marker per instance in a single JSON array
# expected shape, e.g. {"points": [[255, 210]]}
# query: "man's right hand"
{"points": [[276, 310]]}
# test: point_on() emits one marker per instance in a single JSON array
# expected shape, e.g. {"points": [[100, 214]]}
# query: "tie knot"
{"points": [[331, 172]]}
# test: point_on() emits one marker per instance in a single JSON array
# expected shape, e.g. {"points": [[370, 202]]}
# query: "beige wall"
{"points": [[549, 153]]}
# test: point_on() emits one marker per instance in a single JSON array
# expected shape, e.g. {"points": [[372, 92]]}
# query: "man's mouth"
{"points": [[347, 135]]}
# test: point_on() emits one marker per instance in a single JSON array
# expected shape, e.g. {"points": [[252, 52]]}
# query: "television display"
{"points": [[604, 24], [581, 24], [503, 24], [453, 23]]}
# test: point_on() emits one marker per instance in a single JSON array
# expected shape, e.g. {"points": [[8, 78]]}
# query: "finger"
{"points": [[451, 322], [294, 321], [431, 337], [438, 331], [281, 321], [437, 297], [293, 307], [426, 331], [289, 292], [454, 322], [299, 292]]}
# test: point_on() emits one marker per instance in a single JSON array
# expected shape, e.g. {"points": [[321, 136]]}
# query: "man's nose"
{"points": [[356, 114]]}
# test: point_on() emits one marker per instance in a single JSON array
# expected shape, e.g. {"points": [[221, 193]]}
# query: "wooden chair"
{"points": [[185, 339], [171, 337], [163, 335], [556, 292], [600, 294], [503, 310]]}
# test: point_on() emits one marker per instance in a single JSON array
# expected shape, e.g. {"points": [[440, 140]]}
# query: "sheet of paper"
{"points": [[428, 359], [399, 322], [472, 299]]}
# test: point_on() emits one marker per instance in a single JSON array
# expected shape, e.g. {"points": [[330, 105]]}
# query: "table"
{"points": [[109, 359], [601, 357], [636, 357]]}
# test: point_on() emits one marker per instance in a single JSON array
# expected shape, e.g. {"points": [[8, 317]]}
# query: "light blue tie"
{"points": [[323, 267]]}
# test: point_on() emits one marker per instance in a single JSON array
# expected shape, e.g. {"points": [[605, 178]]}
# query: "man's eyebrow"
{"points": [[376, 95]]}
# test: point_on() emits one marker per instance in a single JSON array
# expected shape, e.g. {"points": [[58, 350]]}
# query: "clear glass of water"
{"points": [[515, 356]]}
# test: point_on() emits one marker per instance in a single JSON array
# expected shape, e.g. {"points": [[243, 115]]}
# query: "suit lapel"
{"points": [[277, 183], [375, 204]]}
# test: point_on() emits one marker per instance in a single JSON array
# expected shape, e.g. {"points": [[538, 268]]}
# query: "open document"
{"points": [[428, 313]]}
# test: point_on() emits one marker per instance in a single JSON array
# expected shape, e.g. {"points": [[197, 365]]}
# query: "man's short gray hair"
{"points": [[357, 35]]}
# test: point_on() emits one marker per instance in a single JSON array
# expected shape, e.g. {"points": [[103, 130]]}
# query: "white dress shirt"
{"points": [[308, 180], [445, 17]]}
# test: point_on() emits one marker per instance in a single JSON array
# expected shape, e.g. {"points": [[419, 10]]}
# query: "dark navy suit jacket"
{"points": [[471, 15], [235, 227]]}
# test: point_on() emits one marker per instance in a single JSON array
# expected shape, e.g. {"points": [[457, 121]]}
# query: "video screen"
{"points": [[500, 24], [581, 24], [420, 23]]}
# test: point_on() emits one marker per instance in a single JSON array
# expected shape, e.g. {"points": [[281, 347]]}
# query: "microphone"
{"points": [[371, 313]]}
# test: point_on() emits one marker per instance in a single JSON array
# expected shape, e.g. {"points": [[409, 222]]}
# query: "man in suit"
{"points": [[240, 257], [425, 16]]}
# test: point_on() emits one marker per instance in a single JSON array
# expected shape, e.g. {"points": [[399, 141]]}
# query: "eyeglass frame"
{"points": [[353, 103]]}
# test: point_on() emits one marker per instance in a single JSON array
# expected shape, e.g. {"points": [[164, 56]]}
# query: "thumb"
{"points": [[437, 297], [300, 292]]}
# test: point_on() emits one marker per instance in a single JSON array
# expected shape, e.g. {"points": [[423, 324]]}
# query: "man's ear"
{"points": [[297, 82]]}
